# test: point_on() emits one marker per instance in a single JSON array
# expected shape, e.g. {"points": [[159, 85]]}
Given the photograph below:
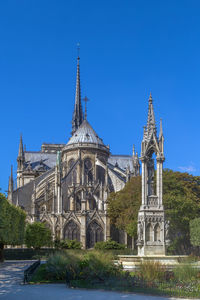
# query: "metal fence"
{"points": [[30, 270]]}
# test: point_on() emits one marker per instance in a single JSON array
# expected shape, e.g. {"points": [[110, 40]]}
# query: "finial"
{"points": [[85, 100], [78, 51]]}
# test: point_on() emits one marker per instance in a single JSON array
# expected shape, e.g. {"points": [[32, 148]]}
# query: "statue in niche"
{"points": [[150, 179], [140, 231], [167, 223]]}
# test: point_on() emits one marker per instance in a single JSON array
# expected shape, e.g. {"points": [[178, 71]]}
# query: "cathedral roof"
{"points": [[85, 134]]}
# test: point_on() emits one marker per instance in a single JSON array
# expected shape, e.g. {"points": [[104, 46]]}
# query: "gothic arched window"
{"points": [[73, 174], [72, 231], [94, 234], [157, 233], [92, 203], [101, 174], [78, 201], [88, 171]]}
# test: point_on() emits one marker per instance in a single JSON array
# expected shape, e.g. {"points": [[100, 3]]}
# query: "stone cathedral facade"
{"points": [[67, 185]]}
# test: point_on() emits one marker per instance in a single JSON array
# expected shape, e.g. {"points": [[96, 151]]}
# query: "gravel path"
{"points": [[11, 288]]}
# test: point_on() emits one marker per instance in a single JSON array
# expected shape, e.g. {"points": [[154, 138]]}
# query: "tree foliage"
{"points": [[181, 198], [38, 235], [12, 224], [123, 206], [195, 232]]}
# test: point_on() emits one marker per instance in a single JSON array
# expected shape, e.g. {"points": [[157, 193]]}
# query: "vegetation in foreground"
{"points": [[96, 270], [12, 224]]}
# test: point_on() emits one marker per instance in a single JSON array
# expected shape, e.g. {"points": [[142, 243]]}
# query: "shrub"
{"points": [[185, 272], [58, 264], [96, 266], [73, 244], [37, 235], [152, 271], [109, 245], [67, 244], [93, 266]]}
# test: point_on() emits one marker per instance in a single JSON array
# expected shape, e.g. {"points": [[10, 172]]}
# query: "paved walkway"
{"points": [[11, 288]]}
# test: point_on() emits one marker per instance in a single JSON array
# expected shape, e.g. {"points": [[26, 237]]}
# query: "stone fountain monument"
{"points": [[153, 229], [151, 217]]}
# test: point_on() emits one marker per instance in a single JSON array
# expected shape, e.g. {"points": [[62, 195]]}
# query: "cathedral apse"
{"points": [[67, 185]]}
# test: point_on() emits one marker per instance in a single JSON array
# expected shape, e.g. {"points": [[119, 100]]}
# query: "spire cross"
{"points": [[85, 100]]}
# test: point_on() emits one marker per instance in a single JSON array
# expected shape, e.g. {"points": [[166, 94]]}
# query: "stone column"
{"points": [[107, 228], [159, 180], [83, 229], [144, 182]]}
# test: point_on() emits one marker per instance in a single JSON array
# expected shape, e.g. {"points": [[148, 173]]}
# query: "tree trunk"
{"points": [[1, 252]]}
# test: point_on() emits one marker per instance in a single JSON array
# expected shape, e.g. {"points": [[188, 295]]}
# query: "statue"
{"points": [[150, 177], [140, 231], [167, 223]]}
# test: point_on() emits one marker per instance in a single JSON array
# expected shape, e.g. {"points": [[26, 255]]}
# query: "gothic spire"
{"points": [[151, 124], [78, 112], [20, 158], [21, 149]]}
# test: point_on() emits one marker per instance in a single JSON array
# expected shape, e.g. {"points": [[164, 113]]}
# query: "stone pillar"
{"points": [[143, 181], [159, 181], [83, 229], [107, 228]]}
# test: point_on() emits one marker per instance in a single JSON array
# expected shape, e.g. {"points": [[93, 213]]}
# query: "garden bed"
{"points": [[96, 270]]}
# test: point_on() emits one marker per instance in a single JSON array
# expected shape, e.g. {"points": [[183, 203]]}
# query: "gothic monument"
{"points": [[151, 216]]}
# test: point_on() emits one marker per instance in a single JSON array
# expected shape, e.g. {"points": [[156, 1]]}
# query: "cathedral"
{"points": [[66, 186]]}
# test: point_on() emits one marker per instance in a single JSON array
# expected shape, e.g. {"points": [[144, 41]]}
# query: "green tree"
{"points": [[12, 224], [38, 235], [123, 206], [195, 232], [181, 198]]}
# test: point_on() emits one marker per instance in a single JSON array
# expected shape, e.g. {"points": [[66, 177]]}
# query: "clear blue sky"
{"points": [[128, 48]]}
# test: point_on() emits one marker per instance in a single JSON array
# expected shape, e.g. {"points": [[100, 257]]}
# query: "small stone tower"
{"points": [[151, 216]]}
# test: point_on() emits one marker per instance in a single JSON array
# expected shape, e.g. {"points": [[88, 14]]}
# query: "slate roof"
{"points": [[49, 159], [122, 161], [85, 134], [39, 159]]}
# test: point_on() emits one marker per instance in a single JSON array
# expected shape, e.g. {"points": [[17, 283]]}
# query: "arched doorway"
{"points": [[72, 231], [94, 234]]}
